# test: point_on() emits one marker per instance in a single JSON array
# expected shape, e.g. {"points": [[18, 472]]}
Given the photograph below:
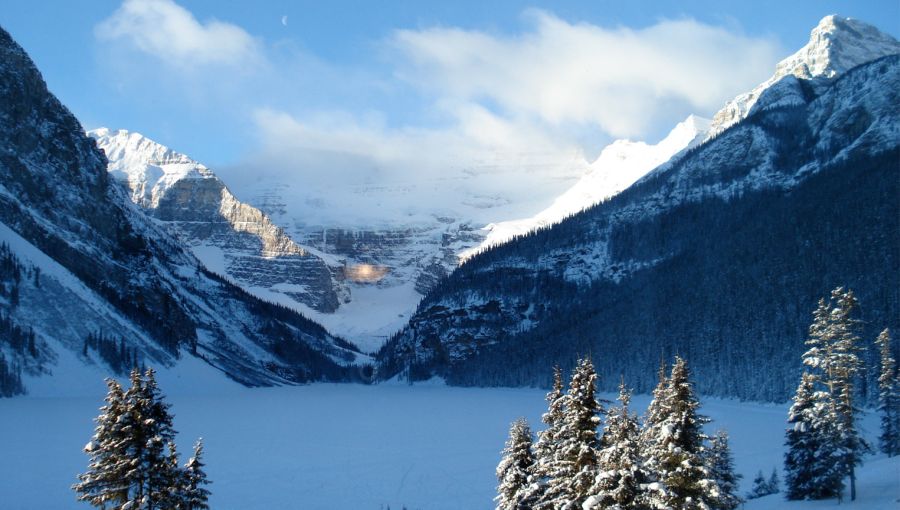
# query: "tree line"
{"points": [[662, 461]]}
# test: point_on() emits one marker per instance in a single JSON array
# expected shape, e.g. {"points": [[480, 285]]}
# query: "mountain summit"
{"points": [[836, 45]]}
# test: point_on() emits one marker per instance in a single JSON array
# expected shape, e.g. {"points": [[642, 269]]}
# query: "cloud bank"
{"points": [[446, 103]]}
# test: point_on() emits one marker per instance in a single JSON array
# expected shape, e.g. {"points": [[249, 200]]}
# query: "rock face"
{"points": [[718, 255], [228, 236], [835, 46], [93, 264]]}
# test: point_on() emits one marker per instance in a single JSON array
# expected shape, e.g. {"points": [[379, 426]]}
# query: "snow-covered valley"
{"points": [[325, 446]]}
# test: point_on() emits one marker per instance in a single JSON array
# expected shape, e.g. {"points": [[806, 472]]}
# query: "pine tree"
{"points": [[546, 448], [721, 469], [650, 437], [760, 487], [681, 470], [888, 397], [774, 484], [515, 468], [811, 464], [620, 475], [102, 484], [835, 353], [196, 496], [130, 466], [571, 481]]}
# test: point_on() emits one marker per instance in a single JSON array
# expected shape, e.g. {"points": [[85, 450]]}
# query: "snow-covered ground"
{"points": [[325, 446]]}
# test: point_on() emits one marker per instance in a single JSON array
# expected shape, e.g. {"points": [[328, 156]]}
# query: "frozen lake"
{"points": [[328, 446]]}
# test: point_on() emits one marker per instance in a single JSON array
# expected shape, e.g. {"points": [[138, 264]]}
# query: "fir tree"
{"points": [[651, 434], [760, 487], [546, 448], [835, 352], [620, 475], [515, 468], [774, 483], [195, 495], [570, 483], [133, 462], [721, 469], [681, 471], [103, 483], [888, 397], [811, 464]]}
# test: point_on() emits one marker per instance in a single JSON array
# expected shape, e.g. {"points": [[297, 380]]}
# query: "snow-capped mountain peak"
{"points": [[836, 45], [148, 167], [619, 165]]}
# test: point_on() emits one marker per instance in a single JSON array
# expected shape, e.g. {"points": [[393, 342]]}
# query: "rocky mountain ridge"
{"points": [[98, 282]]}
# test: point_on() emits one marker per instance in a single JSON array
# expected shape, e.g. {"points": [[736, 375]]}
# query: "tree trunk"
{"points": [[852, 483]]}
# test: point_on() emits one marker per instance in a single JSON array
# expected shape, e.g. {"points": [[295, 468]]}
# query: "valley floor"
{"points": [[329, 446]]}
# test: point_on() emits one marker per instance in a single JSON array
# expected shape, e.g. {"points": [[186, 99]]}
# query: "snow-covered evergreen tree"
{"points": [[811, 464], [102, 484], [546, 447], [835, 353], [578, 443], [515, 468], [760, 487], [194, 493], [650, 436], [720, 463], [618, 484], [132, 464], [685, 481], [888, 397], [774, 483]]}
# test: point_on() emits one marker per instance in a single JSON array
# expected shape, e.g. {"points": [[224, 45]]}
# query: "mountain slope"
{"points": [[122, 280], [719, 255], [229, 237], [619, 165]]}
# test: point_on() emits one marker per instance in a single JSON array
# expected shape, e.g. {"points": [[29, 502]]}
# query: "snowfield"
{"points": [[330, 446]]}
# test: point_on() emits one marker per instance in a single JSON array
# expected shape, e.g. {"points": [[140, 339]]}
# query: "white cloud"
{"points": [[173, 35], [622, 80], [509, 114]]}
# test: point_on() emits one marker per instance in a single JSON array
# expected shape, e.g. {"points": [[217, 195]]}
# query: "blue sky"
{"points": [[229, 82]]}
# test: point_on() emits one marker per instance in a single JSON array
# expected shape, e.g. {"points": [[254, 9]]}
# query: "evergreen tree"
{"points": [[570, 483], [620, 475], [835, 353], [774, 483], [546, 448], [811, 466], [515, 468], [721, 469], [103, 484], [681, 471], [888, 397], [760, 487], [651, 434], [195, 495], [130, 466]]}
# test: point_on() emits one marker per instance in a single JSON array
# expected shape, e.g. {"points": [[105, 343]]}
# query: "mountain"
{"points": [[619, 165], [835, 46], [90, 280], [360, 282], [228, 236], [718, 255]]}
